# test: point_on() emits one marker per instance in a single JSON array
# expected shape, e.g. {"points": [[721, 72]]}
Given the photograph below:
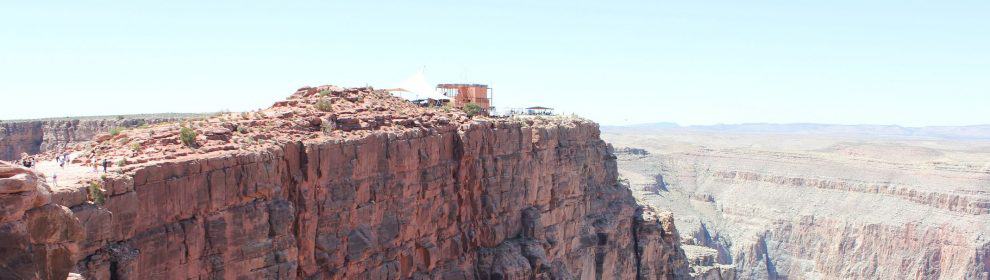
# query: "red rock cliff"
{"points": [[373, 188], [37, 238]]}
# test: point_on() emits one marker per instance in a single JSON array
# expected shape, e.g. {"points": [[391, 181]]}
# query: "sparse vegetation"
{"points": [[220, 113], [325, 92], [96, 193], [324, 105], [120, 162], [115, 130], [135, 146], [326, 127], [187, 136], [243, 129], [472, 109]]}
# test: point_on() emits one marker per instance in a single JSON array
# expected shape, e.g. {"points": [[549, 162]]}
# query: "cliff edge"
{"points": [[337, 183]]}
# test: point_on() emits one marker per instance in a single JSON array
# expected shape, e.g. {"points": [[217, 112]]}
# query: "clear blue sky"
{"points": [[692, 62]]}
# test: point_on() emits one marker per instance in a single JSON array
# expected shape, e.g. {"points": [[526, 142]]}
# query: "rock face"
{"points": [[371, 187], [38, 239], [38, 136], [819, 207]]}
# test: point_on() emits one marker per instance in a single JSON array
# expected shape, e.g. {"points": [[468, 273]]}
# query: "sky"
{"points": [[911, 63]]}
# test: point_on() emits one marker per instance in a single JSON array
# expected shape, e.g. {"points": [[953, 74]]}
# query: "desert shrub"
{"points": [[326, 127], [243, 129], [325, 92], [120, 162], [472, 109], [188, 136], [135, 147], [115, 130], [324, 105], [96, 193]]}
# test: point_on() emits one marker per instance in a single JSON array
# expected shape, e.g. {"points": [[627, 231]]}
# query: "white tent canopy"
{"points": [[415, 87]]}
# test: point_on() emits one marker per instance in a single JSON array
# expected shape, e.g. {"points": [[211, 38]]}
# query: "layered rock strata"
{"points": [[355, 184], [38, 136], [814, 207]]}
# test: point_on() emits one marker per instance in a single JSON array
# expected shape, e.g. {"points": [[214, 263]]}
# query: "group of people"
{"points": [[62, 159], [104, 162]]}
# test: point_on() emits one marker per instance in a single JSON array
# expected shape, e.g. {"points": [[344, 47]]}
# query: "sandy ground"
{"points": [[70, 175]]}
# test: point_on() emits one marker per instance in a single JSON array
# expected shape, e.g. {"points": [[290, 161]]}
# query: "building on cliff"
{"points": [[464, 94]]}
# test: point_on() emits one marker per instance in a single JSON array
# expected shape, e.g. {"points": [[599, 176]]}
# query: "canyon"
{"points": [[337, 183], [37, 136], [818, 202]]}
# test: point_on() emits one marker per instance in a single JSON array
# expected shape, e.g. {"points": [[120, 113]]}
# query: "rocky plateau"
{"points": [[336, 183], [38, 136]]}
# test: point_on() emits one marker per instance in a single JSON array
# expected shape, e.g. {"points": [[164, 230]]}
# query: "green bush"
{"points": [[96, 193], [136, 146], [472, 109], [116, 130], [325, 92], [188, 136], [324, 105]]}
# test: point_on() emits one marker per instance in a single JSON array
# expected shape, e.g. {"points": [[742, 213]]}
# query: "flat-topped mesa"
{"points": [[338, 183], [310, 114]]}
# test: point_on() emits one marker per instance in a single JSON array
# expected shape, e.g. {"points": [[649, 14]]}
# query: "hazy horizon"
{"points": [[619, 63]]}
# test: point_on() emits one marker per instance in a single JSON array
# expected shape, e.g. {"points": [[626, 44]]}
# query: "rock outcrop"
{"points": [[38, 239], [356, 184], [38, 136]]}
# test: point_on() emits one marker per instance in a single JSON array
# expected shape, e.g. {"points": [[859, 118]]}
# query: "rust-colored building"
{"points": [[462, 94]]}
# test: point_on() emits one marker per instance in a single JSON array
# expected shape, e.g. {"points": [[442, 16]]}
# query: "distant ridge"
{"points": [[110, 117], [970, 132]]}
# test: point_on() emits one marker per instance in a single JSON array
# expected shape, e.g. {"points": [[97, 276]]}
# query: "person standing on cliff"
{"points": [[105, 163]]}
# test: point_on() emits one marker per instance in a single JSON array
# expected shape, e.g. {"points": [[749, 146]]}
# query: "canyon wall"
{"points": [[364, 192], [816, 207], [38, 136]]}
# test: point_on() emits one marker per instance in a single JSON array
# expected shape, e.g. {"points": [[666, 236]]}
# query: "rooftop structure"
{"points": [[463, 94], [533, 111]]}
